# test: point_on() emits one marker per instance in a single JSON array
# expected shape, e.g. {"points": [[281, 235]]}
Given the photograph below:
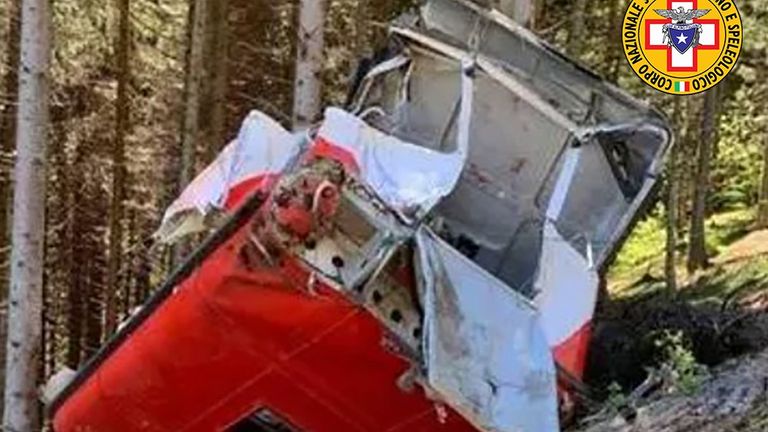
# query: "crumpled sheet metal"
{"points": [[484, 348], [233, 339], [403, 175], [567, 293], [262, 149]]}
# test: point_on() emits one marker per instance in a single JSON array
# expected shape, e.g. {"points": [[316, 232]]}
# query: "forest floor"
{"points": [[733, 398], [720, 313]]}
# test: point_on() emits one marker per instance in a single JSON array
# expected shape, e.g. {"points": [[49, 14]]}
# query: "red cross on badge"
{"points": [[688, 61]]}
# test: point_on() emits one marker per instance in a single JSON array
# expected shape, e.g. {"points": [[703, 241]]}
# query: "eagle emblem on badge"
{"points": [[682, 35]]}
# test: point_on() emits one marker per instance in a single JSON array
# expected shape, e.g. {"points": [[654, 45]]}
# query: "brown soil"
{"points": [[754, 244], [727, 328]]}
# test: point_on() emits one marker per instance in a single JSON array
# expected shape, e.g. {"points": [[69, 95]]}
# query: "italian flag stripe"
{"points": [[682, 86]]}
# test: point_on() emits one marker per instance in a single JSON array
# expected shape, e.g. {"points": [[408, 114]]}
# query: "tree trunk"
{"points": [[94, 298], [577, 28], [670, 268], [671, 200], [26, 281], [521, 11], [8, 120], [122, 116], [7, 139], [309, 63], [697, 253], [613, 36], [191, 131], [74, 319], [360, 44], [762, 206], [129, 257], [74, 257], [190, 135], [217, 51], [686, 161], [762, 212]]}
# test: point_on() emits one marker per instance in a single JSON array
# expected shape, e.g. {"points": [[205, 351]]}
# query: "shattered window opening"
{"points": [[263, 420]]}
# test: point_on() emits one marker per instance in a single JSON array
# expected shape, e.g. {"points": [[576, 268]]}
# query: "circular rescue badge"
{"points": [[682, 46]]}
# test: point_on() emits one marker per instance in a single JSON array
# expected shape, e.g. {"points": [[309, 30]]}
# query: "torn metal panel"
{"points": [[559, 160], [634, 137], [484, 348], [566, 287], [409, 178], [457, 219], [262, 149], [534, 103], [569, 87]]}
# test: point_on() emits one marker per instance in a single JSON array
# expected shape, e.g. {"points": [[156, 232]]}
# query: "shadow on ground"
{"points": [[722, 313]]}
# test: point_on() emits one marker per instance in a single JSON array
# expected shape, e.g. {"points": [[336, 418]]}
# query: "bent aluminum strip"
{"points": [[500, 75]]}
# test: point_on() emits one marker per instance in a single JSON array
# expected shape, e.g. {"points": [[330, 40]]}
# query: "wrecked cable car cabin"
{"points": [[426, 259]]}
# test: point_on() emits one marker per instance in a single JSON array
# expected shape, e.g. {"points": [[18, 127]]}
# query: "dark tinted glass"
{"points": [[263, 420]]}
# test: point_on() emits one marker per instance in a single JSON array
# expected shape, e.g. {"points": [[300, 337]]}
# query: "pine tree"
{"points": [[671, 206], [697, 252], [122, 115], [762, 212], [309, 62], [26, 280], [578, 28], [8, 100], [762, 208], [217, 58], [190, 135]]}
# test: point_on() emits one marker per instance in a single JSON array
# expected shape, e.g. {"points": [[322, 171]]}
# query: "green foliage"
{"points": [[731, 282], [643, 248], [737, 165], [616, 399], [724, 229], [679, 366], [644, 251]]}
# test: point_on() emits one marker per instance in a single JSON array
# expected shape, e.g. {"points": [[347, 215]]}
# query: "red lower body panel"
{"points": [[232, 340], [572, 354]]}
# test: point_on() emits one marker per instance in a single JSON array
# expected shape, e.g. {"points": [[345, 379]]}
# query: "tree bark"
{"points": [[762, 211], [697, 253], [190, 135], [218, 68], [309, 63], [613, 35], [577, 28], [672, 197], [76, 279], [7, 139], [361, 42], [9, 99], [191, 131], [762, 206], [95, 268], [670, 261], [122, 116], [75, 309], [26, 281]]}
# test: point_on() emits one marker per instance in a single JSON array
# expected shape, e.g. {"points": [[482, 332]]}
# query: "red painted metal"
{"points": [[572, 354], [233, 339]]}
